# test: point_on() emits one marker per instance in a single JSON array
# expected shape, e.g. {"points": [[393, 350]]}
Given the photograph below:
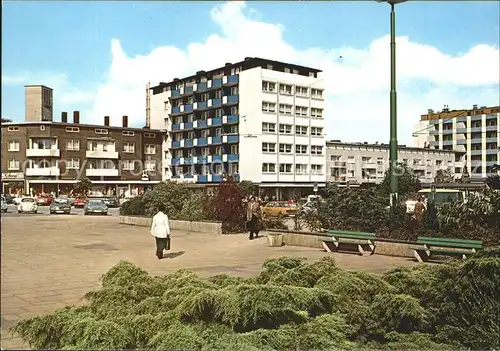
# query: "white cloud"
{"points": [[357, 79]]}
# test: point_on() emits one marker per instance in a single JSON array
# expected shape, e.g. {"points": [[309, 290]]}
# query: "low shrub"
{"points": [[269, 222], [133, 207], [290, 305]]}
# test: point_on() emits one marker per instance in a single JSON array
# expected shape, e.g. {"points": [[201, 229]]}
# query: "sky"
{"points": [[98, 56]]}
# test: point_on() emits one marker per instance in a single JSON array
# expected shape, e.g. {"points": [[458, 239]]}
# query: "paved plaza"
{"points": [[49, 262]]}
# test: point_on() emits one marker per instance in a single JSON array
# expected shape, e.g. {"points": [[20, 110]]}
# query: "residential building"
{"points": [[48, 156], [359, 163], [474, 131], [38, 103], [258, 120]]}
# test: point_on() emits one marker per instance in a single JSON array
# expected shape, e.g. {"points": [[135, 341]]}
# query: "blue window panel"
{"points": [[233, 78], [176, 109], [189, 176], [188, 143], [216, 83], [217, 178], [188, 161], [176, 92], [202, 141], [216, 102], [176, 161], [202, 179], [233, 138], [202, 160], [201, 105], [188, 125], [176, 177], [188, 90], [216, 158], [202, 124], [176, 144], [216, 140], [233, 119], [216, 121], [233, 157], [233, 99], [176, 127], [201, 86], [188, 108]]}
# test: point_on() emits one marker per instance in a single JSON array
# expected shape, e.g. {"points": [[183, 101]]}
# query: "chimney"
{"points": [[125, 121], [474, 107], [64, 117], [106, 121], [76, 117]]}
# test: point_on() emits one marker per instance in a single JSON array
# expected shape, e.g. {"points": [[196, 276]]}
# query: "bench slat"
{"points": [[449, 240], [347, 241], [447, 244], [346, 234]]}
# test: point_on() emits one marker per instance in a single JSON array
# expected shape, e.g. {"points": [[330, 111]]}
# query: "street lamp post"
{"points": [[393, 141]]}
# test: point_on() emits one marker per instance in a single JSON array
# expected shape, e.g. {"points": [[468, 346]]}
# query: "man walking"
{"points": [[253, 217]]}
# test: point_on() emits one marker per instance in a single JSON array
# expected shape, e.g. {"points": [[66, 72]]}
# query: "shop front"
{"points": [[13, 183]]}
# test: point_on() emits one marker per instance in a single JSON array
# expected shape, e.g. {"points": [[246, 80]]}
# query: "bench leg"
{"points": [[330, 246], [421, 255]]}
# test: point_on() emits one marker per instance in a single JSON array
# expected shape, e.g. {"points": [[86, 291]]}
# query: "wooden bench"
{"points": [[364, 242], [427, 246]]}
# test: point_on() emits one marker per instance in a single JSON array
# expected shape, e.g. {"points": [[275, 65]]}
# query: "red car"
{"points": [[44, 200], [80, 201]]}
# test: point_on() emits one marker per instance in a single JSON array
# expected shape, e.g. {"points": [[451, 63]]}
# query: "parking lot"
{"points": [[44, 210], [50, 261]]}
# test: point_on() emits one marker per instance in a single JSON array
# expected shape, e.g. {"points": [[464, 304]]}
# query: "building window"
{"points": [[301, 91], [268, 168], [335, 158], [301, 110], [301, 149], [14, 165], [351, 159], [317, 93], [380, 160], [286, 148], [13, 129], [268, 127], [317, 112], [301, 130], [150, 166], [285, 89], [268, 147], [218, 94], [234, 110], [101, 131], [316, 131], [268, 106], [73, 145], [128, 165], [150, 135], [72, 129], [234, 149], [72, 163], [286, 109], [268, 87], [128, 133], [129, 147], [285, 168], [218, 113], [301, 169], [285, 129], [316, 169], [14, 145], [150, 149], [316, 150], [287, 70]]}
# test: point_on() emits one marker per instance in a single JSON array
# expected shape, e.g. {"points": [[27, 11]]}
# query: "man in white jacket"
{"points": [[161, 231]]}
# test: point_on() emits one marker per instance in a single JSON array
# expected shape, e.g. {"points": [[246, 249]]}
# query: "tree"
{"points": [[170, 195], [493, 182], [444, 176], [82, 187], [6, 120], [248, 187], [229, 207], [408, 183]]}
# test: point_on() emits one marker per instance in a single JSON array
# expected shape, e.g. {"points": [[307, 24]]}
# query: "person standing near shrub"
{"points": [[419, 209], [161, 231], [253, 217]]}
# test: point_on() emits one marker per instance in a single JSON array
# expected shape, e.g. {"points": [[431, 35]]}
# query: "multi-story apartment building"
{"points": [[259, 120], [48, 156], [475, 131], [359, 163]]}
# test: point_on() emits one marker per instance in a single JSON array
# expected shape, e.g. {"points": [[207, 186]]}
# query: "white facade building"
{"points": [[475, 132], [259, 120]]}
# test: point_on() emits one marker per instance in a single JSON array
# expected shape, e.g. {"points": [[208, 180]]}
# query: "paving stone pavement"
{"points": [[51, 262]]}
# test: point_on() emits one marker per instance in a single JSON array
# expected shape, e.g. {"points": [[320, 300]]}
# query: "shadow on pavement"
{"points": [[174, 254]]}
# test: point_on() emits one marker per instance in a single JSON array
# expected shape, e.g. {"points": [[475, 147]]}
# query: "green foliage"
{"points": [[493, 182], [133, 207], [270, 222], [408, 183], [82, 187], [444, 176], [248, 187], [290, 305]]}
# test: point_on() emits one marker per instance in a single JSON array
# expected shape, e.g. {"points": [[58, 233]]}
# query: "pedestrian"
{"points": [[253, 217], [161, 231], [419, 209]]}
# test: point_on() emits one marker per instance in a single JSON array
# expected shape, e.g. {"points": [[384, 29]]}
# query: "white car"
{"points": [[4, 205], [27, 204]]}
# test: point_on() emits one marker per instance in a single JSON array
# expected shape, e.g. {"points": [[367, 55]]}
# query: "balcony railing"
{"points": [[43, 152], [102, 154], [47, 172], [101, 172]]}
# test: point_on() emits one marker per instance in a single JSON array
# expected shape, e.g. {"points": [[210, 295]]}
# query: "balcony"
{"points": [[231, 119], [476, 118], [461, 141], [230, 80], [476, 129], [44, 152], [447, 131], [217, 121], [216, 83], [476, 152], [491, 128], [176, 126], [230, 100], [215, 140], [214, 158], [199, 87], [187, 143], [44, 172], [230, 157], [491, 140], [434, 132], [175, 93], [176, 144], [230, 139], [200, 160], [447, 142], [202, 178], [176, 109], [338, 164], [200, 142], [112, 155], [200, 105], [199, 124], [461, 130], [492, 151], [101, 172]]}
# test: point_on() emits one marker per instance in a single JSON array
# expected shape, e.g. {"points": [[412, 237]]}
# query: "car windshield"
{"points": [[445, 197], [28, 199], [95, 202], [61, 201]]}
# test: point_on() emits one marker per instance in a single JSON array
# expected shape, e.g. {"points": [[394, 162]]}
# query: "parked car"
{"points": [[4, 205], [70, 199], [95, 206], [8, 198], [17, 199], [60, 205], [111, 201], [27, 205], [80, 202], [279, 209], [44, 200]]}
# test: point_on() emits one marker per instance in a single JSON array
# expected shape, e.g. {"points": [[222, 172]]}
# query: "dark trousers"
{"points": [[162, 244], [253, 226]]}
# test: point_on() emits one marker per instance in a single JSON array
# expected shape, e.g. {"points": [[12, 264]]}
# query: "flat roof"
{"points": [[247, 63], [386, 146], [37, 85], [84, 125], [450, 114]]}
